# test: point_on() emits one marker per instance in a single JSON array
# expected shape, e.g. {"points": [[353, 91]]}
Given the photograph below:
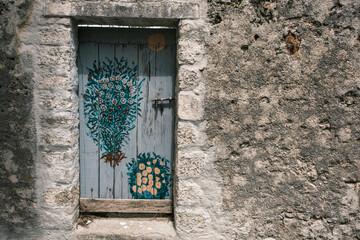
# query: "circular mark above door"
{"points": [[156, 42]]}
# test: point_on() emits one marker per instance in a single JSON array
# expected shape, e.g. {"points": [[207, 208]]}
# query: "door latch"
{"points": [[163, 99]]}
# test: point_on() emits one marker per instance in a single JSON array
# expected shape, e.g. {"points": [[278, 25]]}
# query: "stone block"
{"points": [[61, 197], [57, 137], [190, 164], [188, 79], [186, 134], [55, 56], [55, 37], [62, 119], [60, 158], [190, 51], [188, 194], [159, 9], [56, 82], [190, 221], [193, 29], [59, 9], [59, 100], [189, 107], [61, 175], [63, 70]]}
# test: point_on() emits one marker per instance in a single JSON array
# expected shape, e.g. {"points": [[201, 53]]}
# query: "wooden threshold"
{"points": [[125, 205]]}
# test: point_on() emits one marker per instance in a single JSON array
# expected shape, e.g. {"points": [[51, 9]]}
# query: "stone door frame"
{"points": [[190, 152]]}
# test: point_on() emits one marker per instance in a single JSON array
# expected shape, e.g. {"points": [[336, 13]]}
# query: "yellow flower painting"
{"points": [[141, 166], [144, 180], [149, 177], [151, 182]]}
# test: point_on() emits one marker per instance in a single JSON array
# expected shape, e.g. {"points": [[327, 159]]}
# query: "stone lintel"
{"points": [[147, 10]]}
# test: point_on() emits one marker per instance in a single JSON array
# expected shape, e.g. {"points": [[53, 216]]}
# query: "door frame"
{"points": [[194, 157]]}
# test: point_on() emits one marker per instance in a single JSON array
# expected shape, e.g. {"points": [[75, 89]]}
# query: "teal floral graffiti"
{"points": [[111, 105], [149, 176]]}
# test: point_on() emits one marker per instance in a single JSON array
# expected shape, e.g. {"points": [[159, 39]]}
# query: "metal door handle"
{"points": [[163, 99]]}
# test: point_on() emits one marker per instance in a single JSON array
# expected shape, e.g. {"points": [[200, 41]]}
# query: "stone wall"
{"points": [[267, 127], [282, 105], [17, 132], [39, 131]]}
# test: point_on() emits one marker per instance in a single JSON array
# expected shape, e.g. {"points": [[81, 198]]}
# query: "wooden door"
{"points": [[126, 105]]}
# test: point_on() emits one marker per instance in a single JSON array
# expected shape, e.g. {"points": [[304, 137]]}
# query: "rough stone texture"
{"points": [[128, 228], [282, 105], [190, 163], [58, 134], [123, 9], [189, 106], [17, 132], [188, 79], [39, 133], [267, 128], [198, 197]]}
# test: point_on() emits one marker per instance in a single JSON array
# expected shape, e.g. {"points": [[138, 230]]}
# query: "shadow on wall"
{"points": [[17, 181]]}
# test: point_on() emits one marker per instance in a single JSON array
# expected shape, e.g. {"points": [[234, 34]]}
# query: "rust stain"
{"points": [[267, 5], [292, 43], [27, 178], [156, 42]]}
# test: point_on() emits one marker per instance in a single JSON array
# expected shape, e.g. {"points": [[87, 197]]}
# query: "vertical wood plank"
{"points": [[164, 111], [129, 52], [146, 121], [106, 51], [88, 53]]}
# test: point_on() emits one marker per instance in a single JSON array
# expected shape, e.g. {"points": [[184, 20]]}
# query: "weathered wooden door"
{"points": [[126, 92]]}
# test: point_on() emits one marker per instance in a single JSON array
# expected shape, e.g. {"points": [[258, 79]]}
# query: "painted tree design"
{"points": [[111, 105]]}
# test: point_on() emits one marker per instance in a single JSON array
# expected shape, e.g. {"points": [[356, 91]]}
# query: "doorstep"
{"points": [[126, 228]]}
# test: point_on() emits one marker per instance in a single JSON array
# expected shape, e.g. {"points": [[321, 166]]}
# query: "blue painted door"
{"points": [[126, 106]]}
